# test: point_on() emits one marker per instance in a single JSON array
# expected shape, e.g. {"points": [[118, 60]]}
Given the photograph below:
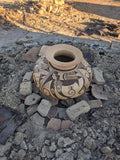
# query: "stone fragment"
{"points": [[35, 89], [106, 150], [50, 155], [44, 107], [32, 109], [23, 145], [82, 155], [31, 55], [22, 108], [3, 158], [44, 152], [115, 46], [64, 142], [89, 142], [58, 152], [12, 101], [61, 113], [65, 124], [37, 119], [66, 156], [52, 112], [47, 142], [53, 147], [19, 138], [82, 97], [68, 102], [98, 76], [97, 92], [54, 124], [32, 99], [28, 76], [25, 88], [43, 50], [21, 154], [19, 42], [77, 109], [30, 44], [37, 158], [95, 104], [4, 148]]}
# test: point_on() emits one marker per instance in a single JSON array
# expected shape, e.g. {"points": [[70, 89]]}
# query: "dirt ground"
{"points": [[92, 136]]}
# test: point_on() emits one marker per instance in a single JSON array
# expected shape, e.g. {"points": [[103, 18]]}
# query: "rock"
{"points": [[32, 99], [77, 109], [115, 46], [18, 138], [13, 155], [37, 158], [50, 155], [95, 104], [30, 44], [58, 152], [32, 54], [31, 147], [61, 113], [82, 97], [68, 102], [43, 50], [54, 124], [12, 101], [64, 142], [35, 89], [66, 156], [20, 42], [65, 124], [4, 148], [21, 154], [83, 155], [32, 109], [3, 158], [22, 108], [52, 112], [23, 145], [44, 107], [47, 142], [98, 76], [97, 92], [89, 142], [39, 139], [28, 76], [44, 152], [53, 147], [37, 119], [25, 88], [106, 150]]}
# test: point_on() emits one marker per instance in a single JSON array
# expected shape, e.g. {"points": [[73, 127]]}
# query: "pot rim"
{"points": [[67, 50]]}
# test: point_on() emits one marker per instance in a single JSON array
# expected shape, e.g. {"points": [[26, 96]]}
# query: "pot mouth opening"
{"points": [[64, 56]]}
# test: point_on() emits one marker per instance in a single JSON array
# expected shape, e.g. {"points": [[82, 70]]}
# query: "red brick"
{"points": [[54, 124], [65, 124]]}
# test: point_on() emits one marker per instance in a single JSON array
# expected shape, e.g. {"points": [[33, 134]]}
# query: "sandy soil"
{"points": [[74, 18]]}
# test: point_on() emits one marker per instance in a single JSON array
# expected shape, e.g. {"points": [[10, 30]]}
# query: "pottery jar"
{"points": [[62, 72]]}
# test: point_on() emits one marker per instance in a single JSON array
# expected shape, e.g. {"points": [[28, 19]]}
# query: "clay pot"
{"points": [[62, 72]]}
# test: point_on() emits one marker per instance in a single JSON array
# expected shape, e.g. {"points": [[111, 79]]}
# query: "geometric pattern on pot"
{"points": [[60, 82]]}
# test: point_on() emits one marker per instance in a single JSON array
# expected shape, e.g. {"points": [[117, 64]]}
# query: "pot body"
{"points": [[62, 81]]}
